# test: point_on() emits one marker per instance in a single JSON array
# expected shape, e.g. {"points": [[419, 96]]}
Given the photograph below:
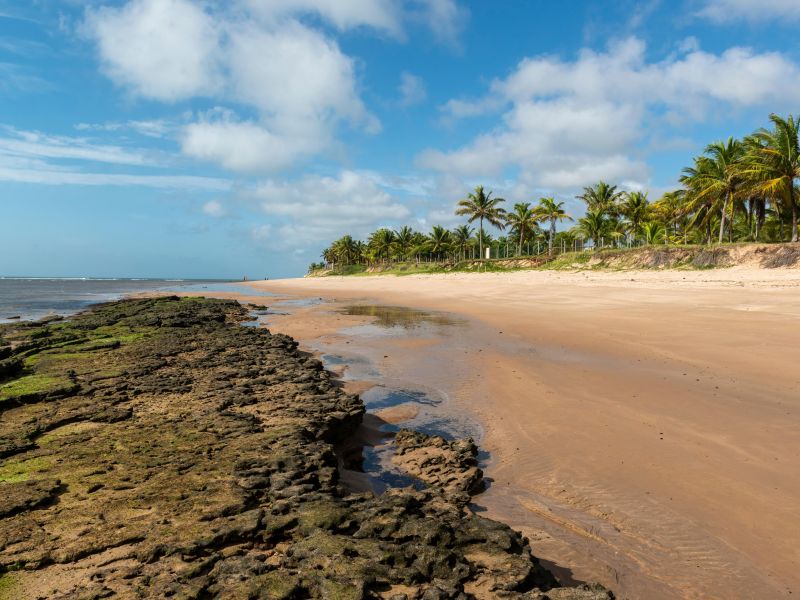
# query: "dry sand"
{"points": [[644, 427]]}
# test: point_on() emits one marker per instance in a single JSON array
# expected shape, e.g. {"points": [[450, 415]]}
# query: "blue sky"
{"points": [[190, 138]]}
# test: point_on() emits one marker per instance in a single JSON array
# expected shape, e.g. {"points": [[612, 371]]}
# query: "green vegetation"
{"points": [[736, 191], [16, 471], [36, 385]]}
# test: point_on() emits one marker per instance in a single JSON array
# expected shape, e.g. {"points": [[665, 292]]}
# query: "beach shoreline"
{"points": [[639, 425]]}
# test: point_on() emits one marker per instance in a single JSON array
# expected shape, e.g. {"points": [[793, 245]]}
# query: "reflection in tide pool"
{"points": [[390, 317]]}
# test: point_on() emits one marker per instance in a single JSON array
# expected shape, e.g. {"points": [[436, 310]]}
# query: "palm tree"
{"points": [[635, 208], [602, 197], [550, 210], [346, 249], [772, 163], [461, 237], [717, 177], [522, 222], [404, 241], [382, 241], [594, 224], [480, 206], [653, 232], [438, 240]]}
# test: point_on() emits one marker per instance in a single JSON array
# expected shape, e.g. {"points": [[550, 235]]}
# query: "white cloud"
{"points": [[35, 144], [245, 145], [315, 209], [161, 49], [35, 157], [295, 78], [445, 18], [55, 176], [568, 124], [722, 11], [214, 208], [155, 128], [412, 89]]}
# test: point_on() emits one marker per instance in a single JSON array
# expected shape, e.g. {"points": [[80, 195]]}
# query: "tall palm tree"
{"points": [[772, 163], [382, 241], [346, 249], [438, 240], [480, 206], [552, 211], [635, 208], [522, 221], [717, 177], [461, 237], [601, 197], [404, 241], [594, 224]]}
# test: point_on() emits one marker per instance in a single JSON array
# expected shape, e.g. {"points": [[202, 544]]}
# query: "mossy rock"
{"points": [[35, 388], [8, 584], [276, 585]]}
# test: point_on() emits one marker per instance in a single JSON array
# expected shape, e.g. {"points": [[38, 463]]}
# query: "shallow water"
{"points": [[34, 298], [389, 317]]}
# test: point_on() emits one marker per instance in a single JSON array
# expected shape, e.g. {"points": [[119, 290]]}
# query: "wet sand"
{"points": [[643, 427]]}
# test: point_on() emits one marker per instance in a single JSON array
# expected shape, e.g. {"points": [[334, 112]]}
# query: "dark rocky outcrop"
{"points": [[448, 466], [193, 458]]}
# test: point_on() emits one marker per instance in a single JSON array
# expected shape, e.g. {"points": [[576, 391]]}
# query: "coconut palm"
{"points": [[461, 238], [635, 208], [404, 241], [601, 197], [653, 232], [381, 242], [438, 240], [717, 178], [772, 163], [480, 206], [522, 221], [594, 225], [552, 211]]}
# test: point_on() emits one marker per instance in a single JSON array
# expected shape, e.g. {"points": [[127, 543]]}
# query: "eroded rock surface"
{"points": [[155, 448], [449, 466]]}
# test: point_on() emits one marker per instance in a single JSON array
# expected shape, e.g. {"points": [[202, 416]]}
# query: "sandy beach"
{"points": [[642, 425]]}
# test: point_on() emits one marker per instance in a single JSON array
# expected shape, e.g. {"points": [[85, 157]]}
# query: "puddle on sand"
{"points": [[352, 368], [398, 317], [377, 459]]}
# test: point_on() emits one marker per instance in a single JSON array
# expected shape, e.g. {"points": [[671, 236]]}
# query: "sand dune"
{"points": [[643, 425]]}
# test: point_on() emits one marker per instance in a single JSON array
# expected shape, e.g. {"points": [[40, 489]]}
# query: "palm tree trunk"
{"points": [[722, 221], [480, 239], [552, 236]]}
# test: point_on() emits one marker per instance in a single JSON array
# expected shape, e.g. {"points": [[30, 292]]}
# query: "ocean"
{"points": [[34, 298]]}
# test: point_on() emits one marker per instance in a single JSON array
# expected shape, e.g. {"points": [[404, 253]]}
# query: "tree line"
{"points": [[736, 190]]}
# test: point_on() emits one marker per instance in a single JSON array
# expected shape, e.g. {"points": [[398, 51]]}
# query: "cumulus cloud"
{"points": [[295, 78], [412, 89], [291, 81], [317, 208], [722, 11], [566, 124], [161, 49]]}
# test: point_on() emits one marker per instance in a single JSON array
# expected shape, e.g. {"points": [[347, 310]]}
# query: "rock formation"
{"points": [[155, 448]]}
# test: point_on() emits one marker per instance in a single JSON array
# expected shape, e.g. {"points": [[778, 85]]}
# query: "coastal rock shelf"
{"points": [[155, 448]]}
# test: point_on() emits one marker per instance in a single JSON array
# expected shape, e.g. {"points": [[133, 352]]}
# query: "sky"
{"points": [[192, 138]]}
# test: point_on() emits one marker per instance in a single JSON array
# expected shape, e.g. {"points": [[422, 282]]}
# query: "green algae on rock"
{"points": [[155, 448]]}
